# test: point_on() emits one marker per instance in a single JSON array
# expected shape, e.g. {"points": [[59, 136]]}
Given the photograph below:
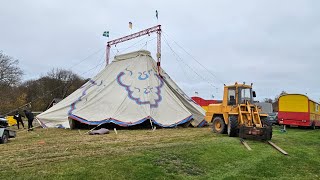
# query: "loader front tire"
{"points": [[268, 125], [233, 130], [269, 133], [218, 125]]}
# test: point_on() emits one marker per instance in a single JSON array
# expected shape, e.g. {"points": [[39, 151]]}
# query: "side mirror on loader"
{"points": [[254, 94]]}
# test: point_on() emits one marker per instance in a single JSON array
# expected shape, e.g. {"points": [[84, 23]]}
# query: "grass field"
{"points": [[183, 153]]}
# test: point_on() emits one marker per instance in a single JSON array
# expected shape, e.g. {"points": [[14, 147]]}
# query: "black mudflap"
{"points": [[264, 133]]}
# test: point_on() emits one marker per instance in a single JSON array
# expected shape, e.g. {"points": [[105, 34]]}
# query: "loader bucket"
{"points": [[255, 133]]}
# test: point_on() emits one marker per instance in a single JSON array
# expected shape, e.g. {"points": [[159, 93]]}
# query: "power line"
{"points": [[102, 61], [194, 59], [178, 57], [81, 61]]}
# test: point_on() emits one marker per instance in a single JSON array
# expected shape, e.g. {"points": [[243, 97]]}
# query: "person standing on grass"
{"points": [[18, 118], [30, 118]]}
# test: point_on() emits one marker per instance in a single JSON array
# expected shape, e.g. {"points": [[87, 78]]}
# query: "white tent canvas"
{"points": [[127, 92]]}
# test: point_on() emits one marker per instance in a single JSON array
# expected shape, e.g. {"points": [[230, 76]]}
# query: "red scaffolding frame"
{"points": [[156, 29]]}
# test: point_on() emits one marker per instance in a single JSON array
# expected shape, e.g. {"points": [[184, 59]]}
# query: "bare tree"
{"points": [[57, 83], [277, 97], [10, 73], [65, 79], [268, 100]]}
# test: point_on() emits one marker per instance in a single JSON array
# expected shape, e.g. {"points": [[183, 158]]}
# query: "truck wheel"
{"points": [[218, 125], [5, 137], [233, 130]]}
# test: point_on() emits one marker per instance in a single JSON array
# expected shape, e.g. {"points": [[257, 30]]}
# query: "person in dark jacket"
{"points": [[18, 118], [30, 118]]}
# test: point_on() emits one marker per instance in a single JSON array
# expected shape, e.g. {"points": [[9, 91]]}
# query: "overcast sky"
{"points": [[275, 44]]}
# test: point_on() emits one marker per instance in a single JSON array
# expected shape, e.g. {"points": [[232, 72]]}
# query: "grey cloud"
{"points": [[274, 44]]}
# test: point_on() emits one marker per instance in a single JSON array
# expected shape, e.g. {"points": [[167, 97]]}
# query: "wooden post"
{"points": [[278, 148], [245, 144]]}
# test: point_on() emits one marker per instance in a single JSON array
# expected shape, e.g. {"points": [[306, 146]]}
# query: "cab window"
{"points": [[231, 97], [245, 95]]}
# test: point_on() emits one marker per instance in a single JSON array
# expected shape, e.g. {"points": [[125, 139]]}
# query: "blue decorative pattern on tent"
{"points": [[84, 92], [124, 124], [134, 93], [146, 90]]}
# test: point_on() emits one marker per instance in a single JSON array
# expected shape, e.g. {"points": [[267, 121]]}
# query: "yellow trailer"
{"points": [[298, 110]]}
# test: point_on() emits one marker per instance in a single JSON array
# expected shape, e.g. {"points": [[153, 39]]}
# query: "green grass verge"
{"points": [[186, 153]]}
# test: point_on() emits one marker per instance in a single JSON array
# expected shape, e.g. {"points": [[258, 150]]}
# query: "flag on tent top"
{"points": [[106, 34], [157, 14], [130, 25]]}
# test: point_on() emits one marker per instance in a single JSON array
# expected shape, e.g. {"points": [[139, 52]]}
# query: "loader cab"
{"points": [[238, 94]]}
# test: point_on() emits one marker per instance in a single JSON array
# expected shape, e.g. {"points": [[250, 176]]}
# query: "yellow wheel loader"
{"points": [[238, 116]]}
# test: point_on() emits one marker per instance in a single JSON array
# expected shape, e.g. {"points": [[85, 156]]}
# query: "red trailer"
{"points": [[204, 103], [298, 110]]}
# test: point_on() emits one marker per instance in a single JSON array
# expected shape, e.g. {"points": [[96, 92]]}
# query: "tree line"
{"points": [[36, 94]]}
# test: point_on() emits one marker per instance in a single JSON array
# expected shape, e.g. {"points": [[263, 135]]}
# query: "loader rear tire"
{"points": [[218, 125], [233, 130]]}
